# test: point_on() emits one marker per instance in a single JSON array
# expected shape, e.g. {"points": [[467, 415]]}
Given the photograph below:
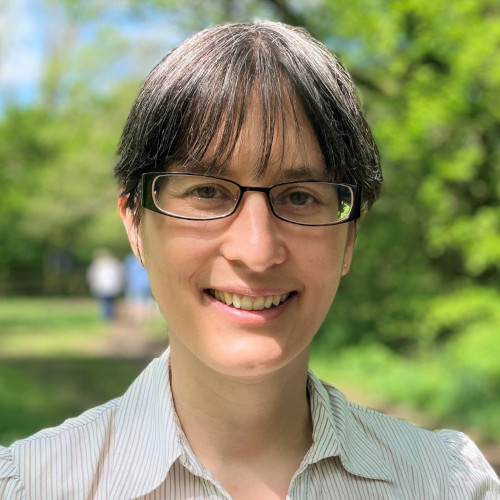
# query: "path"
{"points": [[129, 339]]}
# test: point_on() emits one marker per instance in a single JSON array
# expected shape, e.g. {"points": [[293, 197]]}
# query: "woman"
{"points": [[245, 166]]}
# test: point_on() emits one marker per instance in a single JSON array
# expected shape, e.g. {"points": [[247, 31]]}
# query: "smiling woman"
{"points": [[245, 167]]}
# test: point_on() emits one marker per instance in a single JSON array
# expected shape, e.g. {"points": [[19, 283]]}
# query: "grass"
{"points": [[52, 366], [49, 327], [40, 393]]}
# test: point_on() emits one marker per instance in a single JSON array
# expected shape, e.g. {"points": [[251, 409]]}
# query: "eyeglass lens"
{"points": [[202, 197]]}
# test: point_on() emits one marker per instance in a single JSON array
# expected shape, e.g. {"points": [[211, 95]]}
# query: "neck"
{"points": [[230, 418]]}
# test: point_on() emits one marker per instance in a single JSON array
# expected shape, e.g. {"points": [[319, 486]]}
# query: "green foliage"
{"points": [[432, 84], [58, 186], [454, 395]]}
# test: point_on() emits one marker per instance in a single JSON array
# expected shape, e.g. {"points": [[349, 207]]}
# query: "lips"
{"points": [[248, 303]]}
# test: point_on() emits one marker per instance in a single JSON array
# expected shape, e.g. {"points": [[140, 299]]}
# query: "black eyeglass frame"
{"points": [[147, 198]]}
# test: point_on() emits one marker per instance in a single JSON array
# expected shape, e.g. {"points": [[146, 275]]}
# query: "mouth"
{"points": [[248, 303]]}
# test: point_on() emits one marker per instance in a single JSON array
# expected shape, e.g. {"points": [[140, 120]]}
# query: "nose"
{"points": [[253, 237]]}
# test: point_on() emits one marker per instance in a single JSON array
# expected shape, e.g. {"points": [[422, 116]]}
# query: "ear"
{"points": [[349, 246], [131, 227]]}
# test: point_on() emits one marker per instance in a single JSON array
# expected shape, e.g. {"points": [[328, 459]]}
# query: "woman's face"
{"points": [[196, 267]]}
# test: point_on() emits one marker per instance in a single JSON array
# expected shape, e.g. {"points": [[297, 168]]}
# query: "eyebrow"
{"points": [[195, 167], [302, 173], [297, 173]]}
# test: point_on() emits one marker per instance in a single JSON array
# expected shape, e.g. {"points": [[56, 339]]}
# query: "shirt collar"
{"points": [[336, 432], [148, 438], [146, 442]]}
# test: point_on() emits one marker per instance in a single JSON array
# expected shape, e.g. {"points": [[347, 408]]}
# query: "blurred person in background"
{"points": [[246, 165], [105, 279], [138, 300]]}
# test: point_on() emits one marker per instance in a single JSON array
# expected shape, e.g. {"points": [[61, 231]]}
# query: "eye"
{"points": [[295, 197], [206, 192], [300, 198]]}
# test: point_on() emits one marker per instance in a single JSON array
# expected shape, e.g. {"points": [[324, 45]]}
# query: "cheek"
{"points": [[174, 254], [158, 255], [322, 254], [321, 263]]}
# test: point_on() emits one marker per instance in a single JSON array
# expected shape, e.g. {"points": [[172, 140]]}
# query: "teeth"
{"points": [[249, 303], [246, 303], [228, 298], [258, 303], [236, 301]]}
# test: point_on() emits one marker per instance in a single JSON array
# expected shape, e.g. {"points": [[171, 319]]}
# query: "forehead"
{"points": [[278, 146]]}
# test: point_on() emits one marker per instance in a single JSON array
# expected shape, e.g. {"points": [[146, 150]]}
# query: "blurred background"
{"points": [[415, 329]]}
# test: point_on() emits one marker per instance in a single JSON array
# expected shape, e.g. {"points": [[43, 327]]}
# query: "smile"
{"points": [[249, 303]]}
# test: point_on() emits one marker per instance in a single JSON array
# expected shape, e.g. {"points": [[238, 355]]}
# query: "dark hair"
{"points": [[201, 88]]}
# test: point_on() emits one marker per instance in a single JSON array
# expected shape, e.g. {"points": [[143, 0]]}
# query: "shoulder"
{"points": [[400, 436], [11, 486], [64, 454], [83, 425], [404, 439], [447, 461], [469, 470]]}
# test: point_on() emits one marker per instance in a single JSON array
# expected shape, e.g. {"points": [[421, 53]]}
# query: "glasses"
{"points": [[202, 197]]}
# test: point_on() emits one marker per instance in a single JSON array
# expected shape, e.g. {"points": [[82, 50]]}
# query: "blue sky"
{"points": [[29, 27], [21, 49]]}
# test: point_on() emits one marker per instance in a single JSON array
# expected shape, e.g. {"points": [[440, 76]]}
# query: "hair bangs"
{"points": [[221, 103]]}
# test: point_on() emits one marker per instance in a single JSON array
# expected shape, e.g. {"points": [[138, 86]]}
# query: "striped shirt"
{"points": [[134, 448]]}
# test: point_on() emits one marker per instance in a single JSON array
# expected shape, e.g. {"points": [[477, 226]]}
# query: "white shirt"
{"points": [[134, 448]]}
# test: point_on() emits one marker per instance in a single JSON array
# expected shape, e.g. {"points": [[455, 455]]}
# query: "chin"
{"points": [[251, 359]]}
